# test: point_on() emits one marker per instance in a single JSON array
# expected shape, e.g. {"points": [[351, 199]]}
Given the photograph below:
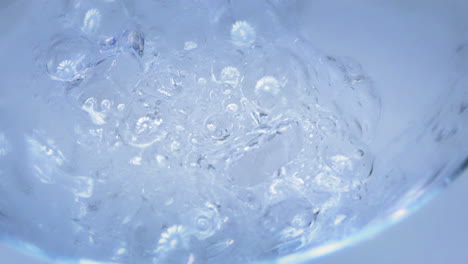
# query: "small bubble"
{"points": [[267, 90], [171, 239], [106, 105], [190, 45], [327, 125], [135, 161], [121, 107], [146, 123], [230, 75], [202, 81], [67, 69], [161, 160], [219, 127], [107, 44], [144, 132], [68, 59], [121, 251], [232, 108], [206, 221], [97, 117], [267, 84], [91, 21], [242, 34]]}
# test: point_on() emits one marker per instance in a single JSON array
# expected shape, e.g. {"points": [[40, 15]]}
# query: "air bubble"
{"points": [[174, 237], [91, 21], [230, 75], [145, 132], [267, 90], [267, 84], [242, 34], [135, 161], [190, 45], [218, 127], [232, 108], [69, 59], [206, 221]]}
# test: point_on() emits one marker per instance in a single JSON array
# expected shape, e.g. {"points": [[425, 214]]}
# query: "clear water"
{"points": [[214, 139]]}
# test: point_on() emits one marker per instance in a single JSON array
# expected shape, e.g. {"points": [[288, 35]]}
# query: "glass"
{"points": [[404, 94]]}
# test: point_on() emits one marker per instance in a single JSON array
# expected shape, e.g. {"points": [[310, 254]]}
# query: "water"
{"points": [[218, 139]]}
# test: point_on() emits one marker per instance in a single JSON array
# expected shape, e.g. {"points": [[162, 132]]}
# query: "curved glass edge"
{"points": [[314, 253], [377, 227]]}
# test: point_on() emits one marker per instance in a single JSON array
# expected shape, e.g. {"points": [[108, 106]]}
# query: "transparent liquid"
{"points": [[216, 139]]}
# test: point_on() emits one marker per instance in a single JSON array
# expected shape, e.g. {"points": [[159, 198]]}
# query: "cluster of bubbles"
{"points": [[233, 146]]}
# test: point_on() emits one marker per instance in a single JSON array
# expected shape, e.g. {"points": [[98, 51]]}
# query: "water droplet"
{"points": [[242, 34]]}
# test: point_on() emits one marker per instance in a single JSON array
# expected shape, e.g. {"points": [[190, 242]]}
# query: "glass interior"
{"points": [[233, 131]]}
